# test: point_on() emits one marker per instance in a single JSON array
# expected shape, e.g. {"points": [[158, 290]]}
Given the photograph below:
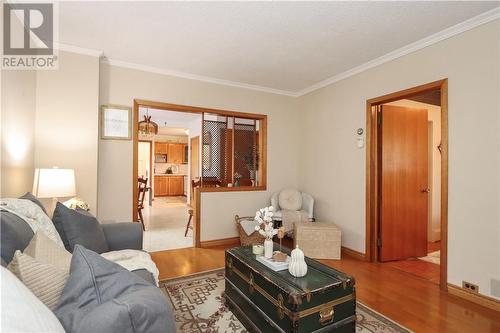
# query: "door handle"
{"points": [[425, 190]]}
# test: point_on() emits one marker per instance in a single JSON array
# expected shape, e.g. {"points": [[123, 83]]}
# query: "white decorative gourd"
{"points": [[297, 266]]}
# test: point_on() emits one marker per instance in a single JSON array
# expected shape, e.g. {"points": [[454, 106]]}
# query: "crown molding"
{"points": [[189, 76], [77, 49], [469, 24]]}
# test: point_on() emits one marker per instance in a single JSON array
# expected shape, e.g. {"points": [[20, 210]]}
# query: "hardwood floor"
{"points": [[433, 246], [419, 268], [423, 269], [411, 301], [180, 262]]}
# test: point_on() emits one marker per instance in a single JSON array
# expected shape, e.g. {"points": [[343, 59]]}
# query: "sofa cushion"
{"points": [[46, 251], [101, 296], [32, 198], [25, 312], [146, 275], [44, 280], [16, 235], [133, 260], [290, 199], [77, 228]]}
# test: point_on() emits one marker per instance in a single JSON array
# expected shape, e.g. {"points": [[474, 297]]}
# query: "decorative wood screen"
{"points": [[230, 154]]}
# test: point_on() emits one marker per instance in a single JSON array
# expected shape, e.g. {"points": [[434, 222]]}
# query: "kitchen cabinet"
{"points": [[175, 153], [168, 185], [161, 148], [176, 185]]}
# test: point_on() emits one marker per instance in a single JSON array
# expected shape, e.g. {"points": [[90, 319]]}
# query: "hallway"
{"points": [[165, 223]]}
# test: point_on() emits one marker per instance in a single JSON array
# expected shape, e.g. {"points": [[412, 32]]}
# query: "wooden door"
{"points": [[194, 157], [403, 183]]}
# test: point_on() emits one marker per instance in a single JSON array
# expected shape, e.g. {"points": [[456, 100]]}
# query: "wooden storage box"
{"points": [[318, 240], [276, 302]]}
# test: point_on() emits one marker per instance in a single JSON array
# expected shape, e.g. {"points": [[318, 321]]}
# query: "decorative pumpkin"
{"points": [[297, 266]]}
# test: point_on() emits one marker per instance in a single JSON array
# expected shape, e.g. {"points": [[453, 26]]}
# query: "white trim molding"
{"points": [[189, 76], [469, 24], [77, 49]]}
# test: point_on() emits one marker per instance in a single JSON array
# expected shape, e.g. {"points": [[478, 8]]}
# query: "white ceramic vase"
{"points": [[297, 266], [268, 248]]}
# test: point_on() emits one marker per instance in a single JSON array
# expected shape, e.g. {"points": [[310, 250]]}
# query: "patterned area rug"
{"points": [[199, 307]]}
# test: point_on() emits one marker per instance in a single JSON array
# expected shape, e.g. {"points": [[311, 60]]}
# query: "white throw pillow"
{"points": [[290, 199], [45, 250], [22, 311], [44, 280]]}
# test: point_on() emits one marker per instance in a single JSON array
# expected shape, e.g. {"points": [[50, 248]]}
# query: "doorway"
{"points": [[406, 223], [163, 159]]}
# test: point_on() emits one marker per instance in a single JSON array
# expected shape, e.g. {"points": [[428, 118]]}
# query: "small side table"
{"points": [[318, 240]]}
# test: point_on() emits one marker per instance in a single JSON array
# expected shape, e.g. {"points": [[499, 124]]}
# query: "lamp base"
{"points": [[52, 207]]}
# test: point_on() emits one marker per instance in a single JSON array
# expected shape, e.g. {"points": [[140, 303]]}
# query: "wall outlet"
{"points": [[473, 288]]}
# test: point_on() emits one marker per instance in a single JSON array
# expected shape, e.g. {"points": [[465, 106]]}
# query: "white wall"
{"points": [[18, 132], [434, 117], [66, 128], [332, 168], [121, 85]]}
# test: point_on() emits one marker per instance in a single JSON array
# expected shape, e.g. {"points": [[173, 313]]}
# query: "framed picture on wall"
{"points": [[116, 122]]}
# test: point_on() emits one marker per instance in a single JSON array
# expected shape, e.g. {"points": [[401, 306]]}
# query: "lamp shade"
{"points": [[54, 183]]}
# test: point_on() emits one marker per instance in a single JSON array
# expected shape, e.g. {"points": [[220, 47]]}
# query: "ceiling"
{"points": [[176, 122], [285, 46], [172, 131]]}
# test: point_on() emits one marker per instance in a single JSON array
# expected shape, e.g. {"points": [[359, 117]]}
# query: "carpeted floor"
{"points": [[199, 307]]}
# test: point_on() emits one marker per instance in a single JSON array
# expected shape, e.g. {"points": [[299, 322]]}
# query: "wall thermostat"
{"points": [[360, 140]]}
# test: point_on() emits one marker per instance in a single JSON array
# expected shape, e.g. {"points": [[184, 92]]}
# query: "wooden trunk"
{"points": [[266, 301]]}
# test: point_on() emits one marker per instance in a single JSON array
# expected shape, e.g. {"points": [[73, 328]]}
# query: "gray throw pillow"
{"points": [[76, 228], [101, 296], [32, 198]]}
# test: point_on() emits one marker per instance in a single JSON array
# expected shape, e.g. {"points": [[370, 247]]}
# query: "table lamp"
{"points": [[54, 183]]}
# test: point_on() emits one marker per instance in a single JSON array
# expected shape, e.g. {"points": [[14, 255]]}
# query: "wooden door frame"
{"points": [[372, 200], [190, 179], [197, 193], [150, 161]]}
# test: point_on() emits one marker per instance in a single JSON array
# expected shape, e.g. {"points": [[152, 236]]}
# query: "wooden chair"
{"points": [[143, 184], [207, 182], [188, 226]]}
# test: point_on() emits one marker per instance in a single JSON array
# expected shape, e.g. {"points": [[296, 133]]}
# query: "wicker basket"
{"points": [[254, 238]]}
